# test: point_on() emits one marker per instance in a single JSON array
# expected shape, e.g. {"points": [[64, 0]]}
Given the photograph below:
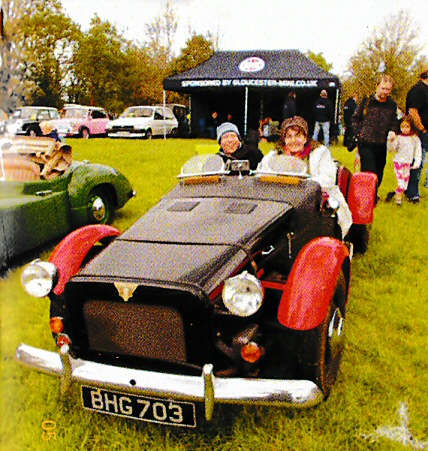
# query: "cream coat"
{"points": [[323, 169]]}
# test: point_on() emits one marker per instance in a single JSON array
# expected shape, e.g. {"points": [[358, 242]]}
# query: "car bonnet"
{"points": [[190, 241]]}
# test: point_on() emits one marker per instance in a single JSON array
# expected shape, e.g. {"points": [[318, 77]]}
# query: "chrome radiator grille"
{"points": [[139, 330]]}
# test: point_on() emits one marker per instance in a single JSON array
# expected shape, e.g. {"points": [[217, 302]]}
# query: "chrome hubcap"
{"points": [[98, 208], [335, 332]]}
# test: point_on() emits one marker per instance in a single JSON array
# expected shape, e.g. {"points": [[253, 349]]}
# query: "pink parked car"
{"points": [[81, 121]]}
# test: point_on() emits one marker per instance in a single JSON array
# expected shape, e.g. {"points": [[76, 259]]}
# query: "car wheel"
{"points": [[34, 130], [100, 209], [84, 133], [149, 134], [359, 236], [320, 350]]}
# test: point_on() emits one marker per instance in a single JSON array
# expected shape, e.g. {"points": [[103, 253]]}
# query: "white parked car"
{"points": [[143, 122]]}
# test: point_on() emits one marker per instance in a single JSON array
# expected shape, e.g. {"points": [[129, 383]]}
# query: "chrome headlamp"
{"points": [[243, 294], [39, 278]]}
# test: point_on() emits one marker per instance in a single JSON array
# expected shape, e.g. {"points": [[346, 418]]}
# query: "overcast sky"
{"points": [[334, 27]]}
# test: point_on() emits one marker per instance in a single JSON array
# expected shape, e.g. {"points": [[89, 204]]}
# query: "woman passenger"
{"points": [[294, 141]]}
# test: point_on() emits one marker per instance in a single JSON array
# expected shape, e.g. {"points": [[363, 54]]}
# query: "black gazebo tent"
{"points": [[251, 85]]}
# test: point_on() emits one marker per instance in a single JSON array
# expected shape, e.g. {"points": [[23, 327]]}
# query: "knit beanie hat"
{"points": [[226, 127], [295, 121]]}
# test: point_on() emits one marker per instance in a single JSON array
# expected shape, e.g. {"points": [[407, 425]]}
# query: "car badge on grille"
{"points": [[125, 290]]}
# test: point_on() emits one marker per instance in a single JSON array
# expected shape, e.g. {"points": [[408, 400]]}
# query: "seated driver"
{"points": [[294, 141], [232, 147]]}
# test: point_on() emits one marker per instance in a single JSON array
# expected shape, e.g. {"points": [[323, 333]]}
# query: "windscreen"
{"points": [[283, 164], [137, 112]]}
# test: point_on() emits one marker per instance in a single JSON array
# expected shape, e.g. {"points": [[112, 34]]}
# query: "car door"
{"points": [[97, 122], [33, 213], [170, 120], [158, 121]]}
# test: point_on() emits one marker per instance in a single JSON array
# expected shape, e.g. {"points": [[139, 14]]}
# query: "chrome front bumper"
{"points": [[206, 388]]}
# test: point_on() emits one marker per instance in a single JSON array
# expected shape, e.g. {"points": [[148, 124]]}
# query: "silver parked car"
{"points": [[143, 122]]}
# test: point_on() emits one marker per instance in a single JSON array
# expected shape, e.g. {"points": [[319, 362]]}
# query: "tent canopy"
{"points": [[253, 84]]}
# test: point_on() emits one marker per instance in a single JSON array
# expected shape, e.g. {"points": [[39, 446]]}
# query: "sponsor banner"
{"points": [[254, 82]]}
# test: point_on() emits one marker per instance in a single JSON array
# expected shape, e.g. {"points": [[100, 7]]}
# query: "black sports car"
{"points": [[232, 289]]}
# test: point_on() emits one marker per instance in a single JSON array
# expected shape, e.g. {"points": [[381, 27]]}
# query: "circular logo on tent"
{"points": [[252, 64]]}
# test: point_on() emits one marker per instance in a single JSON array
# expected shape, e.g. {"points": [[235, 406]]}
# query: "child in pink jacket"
{"points": [[407, 146]]}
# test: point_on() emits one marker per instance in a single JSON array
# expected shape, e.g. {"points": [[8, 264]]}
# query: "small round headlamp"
{"points": [[39, 278], [243, 294]]}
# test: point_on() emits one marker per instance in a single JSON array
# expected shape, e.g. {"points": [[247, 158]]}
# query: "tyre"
{"points": [[149, 134], [84, 133], [100, 208], [321, 349], [359, 235], [34, 130]]}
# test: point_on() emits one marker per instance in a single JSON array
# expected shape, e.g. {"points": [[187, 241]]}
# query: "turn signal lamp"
{"points": [[56, 324], [251, 352]]}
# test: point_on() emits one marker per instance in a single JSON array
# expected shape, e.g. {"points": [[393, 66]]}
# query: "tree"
{"points": [[149, 88], [47, 38], [161, 33], [392, 50], [198, 49], [12, 86], [106, 70], [318, 59]]}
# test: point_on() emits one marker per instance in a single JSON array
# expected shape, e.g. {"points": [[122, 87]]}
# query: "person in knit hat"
{"points": [[232, 147], [294, 141]]}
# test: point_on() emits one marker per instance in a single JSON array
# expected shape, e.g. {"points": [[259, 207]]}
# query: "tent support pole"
{"points": [[164, 123], [246, 110], [336, 113], [262, 105], [190, 114]]}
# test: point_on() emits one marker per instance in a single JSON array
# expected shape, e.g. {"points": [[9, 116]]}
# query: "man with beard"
{"points": [[373, 119]]}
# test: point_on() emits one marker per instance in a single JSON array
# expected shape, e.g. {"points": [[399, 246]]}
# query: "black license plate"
{"points": [[141, 408]]}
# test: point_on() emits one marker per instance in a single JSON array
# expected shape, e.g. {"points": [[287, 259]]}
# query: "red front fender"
{"points": [[311, 283], [69, 254]]}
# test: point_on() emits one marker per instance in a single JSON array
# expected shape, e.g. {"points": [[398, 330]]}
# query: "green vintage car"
{"points": [[44, 194]]}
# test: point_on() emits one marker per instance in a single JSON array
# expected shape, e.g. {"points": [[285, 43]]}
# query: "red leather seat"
{"points": [[343, 180]]}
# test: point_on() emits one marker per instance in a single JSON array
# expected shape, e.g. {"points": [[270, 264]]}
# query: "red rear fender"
{"points": [[72, 250], [311, 283]]}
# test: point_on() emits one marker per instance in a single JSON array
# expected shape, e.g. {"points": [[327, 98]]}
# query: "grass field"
{"points": [[385, 364]]}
